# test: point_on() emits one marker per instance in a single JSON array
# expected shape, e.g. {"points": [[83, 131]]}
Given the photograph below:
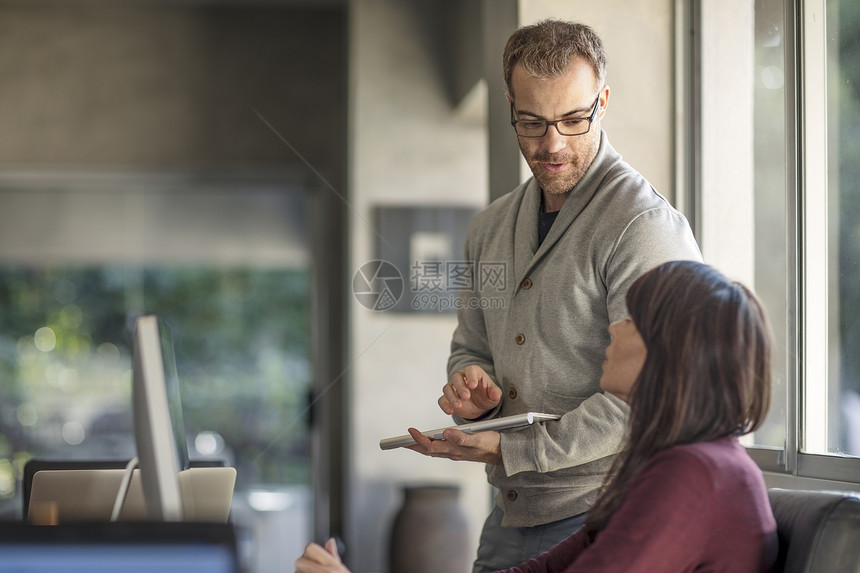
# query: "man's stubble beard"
{"points": [[579, 164]]}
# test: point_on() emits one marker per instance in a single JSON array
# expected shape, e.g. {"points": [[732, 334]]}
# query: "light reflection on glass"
{"points": [[209, 443], [45, 339], [27, 415], [25, 349], [7, 479], [108, 352], [65, 291], [772, 78], [73, 433], [67, 379], [71, 317]]}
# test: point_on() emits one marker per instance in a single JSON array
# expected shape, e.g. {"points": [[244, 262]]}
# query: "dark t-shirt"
{"points": [[545, 221]]}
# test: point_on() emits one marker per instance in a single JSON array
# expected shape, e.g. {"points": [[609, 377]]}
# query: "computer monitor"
{"points": [[166, 487], [159, 429]]}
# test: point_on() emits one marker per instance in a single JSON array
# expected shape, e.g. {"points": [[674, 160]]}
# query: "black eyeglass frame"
{"points": [[555, 122]]}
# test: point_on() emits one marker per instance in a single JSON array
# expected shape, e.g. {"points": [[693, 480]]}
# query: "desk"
{"points": [[130, 547]]}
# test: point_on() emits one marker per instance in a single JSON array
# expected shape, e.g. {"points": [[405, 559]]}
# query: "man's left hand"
{"points": [[478, 447]]}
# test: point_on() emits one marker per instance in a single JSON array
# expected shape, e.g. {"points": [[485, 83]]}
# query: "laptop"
{"points": [[88, 494]]}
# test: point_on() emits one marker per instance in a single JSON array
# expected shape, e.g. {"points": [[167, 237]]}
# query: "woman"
{"points": [[693, 362]]}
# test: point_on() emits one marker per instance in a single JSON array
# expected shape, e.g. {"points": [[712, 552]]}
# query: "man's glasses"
{"points": [[539, 127]]}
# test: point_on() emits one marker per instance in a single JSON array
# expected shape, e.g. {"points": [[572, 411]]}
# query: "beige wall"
{"points": [[639, 38], [429, 156], [140, 85]]}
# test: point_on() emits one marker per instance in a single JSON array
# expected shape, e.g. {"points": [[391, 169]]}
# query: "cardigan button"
{"points": [[526, 284], [520, 339], [512, 393], [511, 495]]}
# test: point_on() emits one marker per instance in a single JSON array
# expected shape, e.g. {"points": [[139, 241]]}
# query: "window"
{"points": [[771, 208], [803, 193], [225, 260], [831, 237]]}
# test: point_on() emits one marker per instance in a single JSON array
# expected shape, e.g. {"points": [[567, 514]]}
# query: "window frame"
{"points": [[806, 165], [327, 239]]}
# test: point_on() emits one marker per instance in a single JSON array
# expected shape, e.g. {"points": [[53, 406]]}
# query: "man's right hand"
{"points": [[469, 393]]}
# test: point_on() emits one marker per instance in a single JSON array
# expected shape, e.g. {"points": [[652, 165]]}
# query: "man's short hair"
{"points": [[546, 49]]}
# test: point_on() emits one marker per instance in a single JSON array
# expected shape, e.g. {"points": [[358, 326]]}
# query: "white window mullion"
{"points": [[727, 127], [815, 235]]}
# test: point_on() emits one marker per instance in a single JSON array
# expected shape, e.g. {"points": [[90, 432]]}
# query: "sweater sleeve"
{"points": [[470, 343], [593, 430], [654, 237]]}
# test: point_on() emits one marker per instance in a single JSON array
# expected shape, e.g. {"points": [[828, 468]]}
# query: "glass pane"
{"points": [[770, 204], [244, 369], [225, 263], [843, 123]]}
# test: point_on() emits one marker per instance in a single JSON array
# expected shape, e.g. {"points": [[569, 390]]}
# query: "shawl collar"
{"points": [[526, 251]]}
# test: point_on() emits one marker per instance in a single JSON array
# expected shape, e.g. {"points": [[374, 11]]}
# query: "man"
{"points": [[572, 239]]}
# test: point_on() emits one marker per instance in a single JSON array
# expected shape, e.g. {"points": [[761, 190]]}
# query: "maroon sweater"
{"points": [[698, 507]]}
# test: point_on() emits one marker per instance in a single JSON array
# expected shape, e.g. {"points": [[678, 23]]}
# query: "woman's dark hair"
{"points": [[707, 373]]}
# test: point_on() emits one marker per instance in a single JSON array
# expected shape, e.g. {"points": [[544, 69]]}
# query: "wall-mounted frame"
{"points": [[426, 245]]}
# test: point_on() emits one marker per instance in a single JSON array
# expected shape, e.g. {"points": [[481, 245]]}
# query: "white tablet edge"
{"points": [[484, 425]]}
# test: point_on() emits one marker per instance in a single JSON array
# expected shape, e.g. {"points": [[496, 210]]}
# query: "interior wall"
{"points": [[409, 145], [639, 37], [99, 85]]}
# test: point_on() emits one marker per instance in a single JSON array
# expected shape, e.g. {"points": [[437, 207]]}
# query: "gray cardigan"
{"points": [[542, 334]]}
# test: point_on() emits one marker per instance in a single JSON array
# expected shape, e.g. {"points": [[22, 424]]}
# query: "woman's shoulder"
{"points": [[729, 446], [707, 457]]}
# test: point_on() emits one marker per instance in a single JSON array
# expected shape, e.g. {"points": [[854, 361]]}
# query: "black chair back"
{"points": [[819, 532]]}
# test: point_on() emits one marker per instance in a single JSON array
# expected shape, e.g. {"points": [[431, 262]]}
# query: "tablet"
{"points": [[503, 423]]}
